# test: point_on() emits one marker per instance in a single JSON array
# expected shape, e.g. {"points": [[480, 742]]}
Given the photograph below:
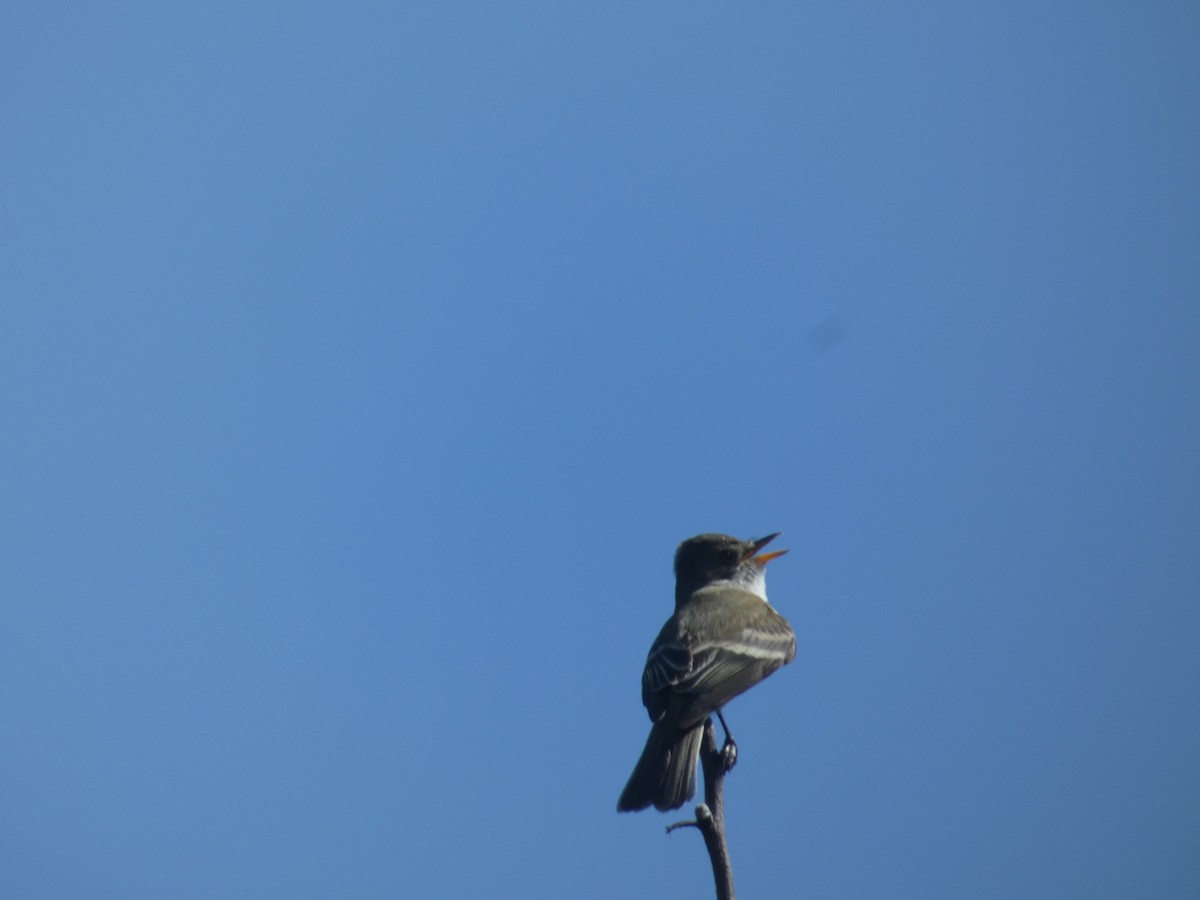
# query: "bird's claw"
{"points": [[729, 754]]}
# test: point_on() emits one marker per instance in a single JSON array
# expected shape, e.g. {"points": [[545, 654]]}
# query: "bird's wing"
{"points": [[696, 674], [669, 660], [741, 646], [667, 664], [723, 662]]}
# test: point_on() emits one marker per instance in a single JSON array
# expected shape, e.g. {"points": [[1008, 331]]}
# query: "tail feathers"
{"points": [[665, 776]]}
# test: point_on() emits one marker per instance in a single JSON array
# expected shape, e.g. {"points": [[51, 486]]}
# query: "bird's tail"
{"points": [[665, 776]]}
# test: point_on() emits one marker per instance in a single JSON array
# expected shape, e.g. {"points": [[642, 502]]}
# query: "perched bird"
{"points": [[722, 640]]}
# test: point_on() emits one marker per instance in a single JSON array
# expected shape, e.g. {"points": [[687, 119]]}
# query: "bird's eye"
{"points": [[729, 555]]}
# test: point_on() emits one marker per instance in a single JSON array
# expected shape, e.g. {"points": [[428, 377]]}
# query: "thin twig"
{"points": [[710, 815]]}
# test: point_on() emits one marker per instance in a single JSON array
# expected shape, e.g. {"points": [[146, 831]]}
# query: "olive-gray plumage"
{"points": [[722, 640]]}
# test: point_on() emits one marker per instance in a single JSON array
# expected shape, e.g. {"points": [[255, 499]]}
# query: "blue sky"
{"points": [[363, 364]]}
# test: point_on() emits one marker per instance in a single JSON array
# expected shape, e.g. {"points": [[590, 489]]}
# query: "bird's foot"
{"points": [[729, 754]]}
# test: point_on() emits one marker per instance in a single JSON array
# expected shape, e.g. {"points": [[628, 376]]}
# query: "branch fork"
{"points": [[710, 815]]}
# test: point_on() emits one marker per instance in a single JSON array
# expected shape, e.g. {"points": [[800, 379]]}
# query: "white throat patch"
{"points": [[752, 578]]}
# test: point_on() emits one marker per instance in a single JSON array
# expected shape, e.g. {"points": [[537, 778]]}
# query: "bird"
{"points": [[723, 638]]}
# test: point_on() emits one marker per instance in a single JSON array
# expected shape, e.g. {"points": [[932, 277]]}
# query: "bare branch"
{"points": [[710, 815]]}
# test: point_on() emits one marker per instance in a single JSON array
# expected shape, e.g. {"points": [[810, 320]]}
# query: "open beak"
{"points": [[763, 558]]}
